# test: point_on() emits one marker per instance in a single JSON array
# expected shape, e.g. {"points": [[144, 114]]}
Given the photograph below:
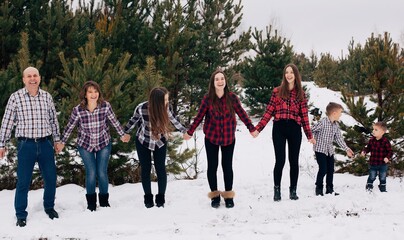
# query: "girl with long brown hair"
{"points": [[219, 107], [288, 106], [153, 119]]}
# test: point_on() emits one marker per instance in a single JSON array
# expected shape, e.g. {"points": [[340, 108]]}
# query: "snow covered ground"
{"points": [[354, 214]]}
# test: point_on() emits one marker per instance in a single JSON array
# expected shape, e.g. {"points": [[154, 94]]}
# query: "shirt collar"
{"points": [[25, 91]]}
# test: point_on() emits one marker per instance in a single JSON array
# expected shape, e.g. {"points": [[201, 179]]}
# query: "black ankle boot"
{"points": [[103, 197], [148, 200], [319, 191], [277, 193], [91, 201], [160, 200], [292, 193]]}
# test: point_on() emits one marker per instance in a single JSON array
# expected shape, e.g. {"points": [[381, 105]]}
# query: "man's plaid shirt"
{"points": [[284, 109], [141, 119], [92, 127], [32, 116], [379, 149], [220, 126]]}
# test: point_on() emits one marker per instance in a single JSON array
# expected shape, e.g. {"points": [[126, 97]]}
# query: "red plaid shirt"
{"points": [[379, 149], [220, 126], [291, 108]]}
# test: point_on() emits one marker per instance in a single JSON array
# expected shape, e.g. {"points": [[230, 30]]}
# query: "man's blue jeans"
{"points": [[96, 164], [30, 152], [374, 170]]}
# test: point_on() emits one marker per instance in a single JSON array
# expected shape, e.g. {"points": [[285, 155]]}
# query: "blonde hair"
{"points": [[381, 125], [332, 106]]}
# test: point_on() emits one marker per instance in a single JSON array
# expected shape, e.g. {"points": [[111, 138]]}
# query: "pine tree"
{"points": [[383, 69], [263, 72], [327, 73], [307, 65]]}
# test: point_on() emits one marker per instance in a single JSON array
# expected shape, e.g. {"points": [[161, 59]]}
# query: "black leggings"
{"points": [[212, 153], [290, 131], [145, 159]]}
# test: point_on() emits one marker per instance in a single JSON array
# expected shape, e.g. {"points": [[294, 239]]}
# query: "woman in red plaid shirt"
{"points": [[288, 106], [218, 107]]}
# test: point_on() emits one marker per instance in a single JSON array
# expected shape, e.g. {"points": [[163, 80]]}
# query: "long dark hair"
{"points": [[83, 92], [284, 90], [212, 93], [158, 116]]}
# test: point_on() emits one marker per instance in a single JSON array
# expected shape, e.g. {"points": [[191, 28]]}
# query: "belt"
{"points": [[35, 139]]}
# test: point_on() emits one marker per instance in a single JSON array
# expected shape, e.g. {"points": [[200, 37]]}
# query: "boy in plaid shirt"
{"points": [[326, 131], [380, 154]]}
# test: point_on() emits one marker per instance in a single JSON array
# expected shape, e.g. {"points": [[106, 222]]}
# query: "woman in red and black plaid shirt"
{"points": [[288, 106], [218, 107]]}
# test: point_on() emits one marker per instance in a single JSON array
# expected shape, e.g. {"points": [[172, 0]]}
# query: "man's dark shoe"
{"points": [[51, 213], [21, 222]]}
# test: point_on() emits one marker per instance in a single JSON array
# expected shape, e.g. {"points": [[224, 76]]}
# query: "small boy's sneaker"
{"points": [[382, 188], [319, 191]]}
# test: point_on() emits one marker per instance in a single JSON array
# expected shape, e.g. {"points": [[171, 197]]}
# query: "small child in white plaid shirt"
{"points": [[326, 131]]}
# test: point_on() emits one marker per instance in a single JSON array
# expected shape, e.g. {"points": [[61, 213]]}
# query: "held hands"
{"points": [[350, 153], [312, 141], [58, 147], [386, 160], [363, 153], [186, 136], [125, 138], [2, 152], [255, 133]]}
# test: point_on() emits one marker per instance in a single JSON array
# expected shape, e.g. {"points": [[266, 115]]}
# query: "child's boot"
{"points": [[369, 187], [215, 198], [319, 190], [382, 188]]}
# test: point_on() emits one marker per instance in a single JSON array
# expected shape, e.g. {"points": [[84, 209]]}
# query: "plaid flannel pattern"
{"points": [[220, 126], [32, 116], [326, 132], [92, 127], [379, 149], [283, 109], [141, 119]]}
